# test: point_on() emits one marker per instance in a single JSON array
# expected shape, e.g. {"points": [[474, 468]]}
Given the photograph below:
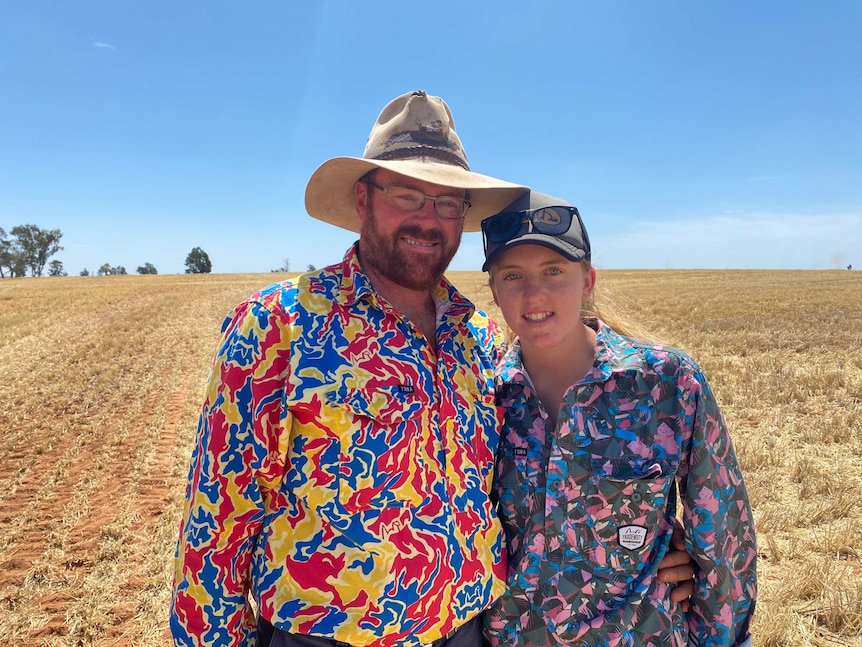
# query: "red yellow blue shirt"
{"points": [[587, 506], [342, 470]]}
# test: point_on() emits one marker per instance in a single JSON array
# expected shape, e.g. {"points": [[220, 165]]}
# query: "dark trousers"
{"points": [[467, 635]]}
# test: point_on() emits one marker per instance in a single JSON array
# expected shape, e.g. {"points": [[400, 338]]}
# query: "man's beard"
{"points": [[412, 271]]}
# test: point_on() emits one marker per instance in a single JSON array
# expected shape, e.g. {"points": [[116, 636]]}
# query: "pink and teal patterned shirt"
{"points": [[587, 506], [342, 470]]}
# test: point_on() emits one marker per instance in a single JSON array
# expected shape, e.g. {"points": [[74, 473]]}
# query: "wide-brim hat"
{"points": [[414, 136]]}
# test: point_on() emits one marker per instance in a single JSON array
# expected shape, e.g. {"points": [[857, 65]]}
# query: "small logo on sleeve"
{"points": [[632, 537]]}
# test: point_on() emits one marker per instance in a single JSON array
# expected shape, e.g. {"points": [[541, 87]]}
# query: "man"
{"points": [[342, 466]]}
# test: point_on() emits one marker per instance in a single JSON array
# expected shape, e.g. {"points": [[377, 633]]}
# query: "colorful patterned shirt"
{"points": [[342, 470], [587, 505]]}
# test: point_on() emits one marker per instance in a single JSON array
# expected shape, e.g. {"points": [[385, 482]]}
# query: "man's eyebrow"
{"points": [[447, 191]]}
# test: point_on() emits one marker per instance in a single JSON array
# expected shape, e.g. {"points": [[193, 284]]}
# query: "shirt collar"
{"points": [[614, 354], [356, 287]]}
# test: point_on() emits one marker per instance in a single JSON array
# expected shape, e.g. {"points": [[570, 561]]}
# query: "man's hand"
{"points": [[677, 566]]}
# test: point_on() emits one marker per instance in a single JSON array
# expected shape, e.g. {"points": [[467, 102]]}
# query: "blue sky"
{"points": [[706, 134]]}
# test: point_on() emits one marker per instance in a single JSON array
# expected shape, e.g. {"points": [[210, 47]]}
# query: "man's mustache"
{"points": [[425, 235]]}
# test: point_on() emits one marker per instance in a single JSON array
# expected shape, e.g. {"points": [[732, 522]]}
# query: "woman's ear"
{"points": [[589, 284]]}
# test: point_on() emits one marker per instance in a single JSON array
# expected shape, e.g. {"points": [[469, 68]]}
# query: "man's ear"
{"points": [[361, 199]]}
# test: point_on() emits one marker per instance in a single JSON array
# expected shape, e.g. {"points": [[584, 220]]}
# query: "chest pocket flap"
{"points": [[382, 462]]}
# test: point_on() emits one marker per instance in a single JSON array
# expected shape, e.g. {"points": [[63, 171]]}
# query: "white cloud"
{"points": [[102, 45], [756, 241]]}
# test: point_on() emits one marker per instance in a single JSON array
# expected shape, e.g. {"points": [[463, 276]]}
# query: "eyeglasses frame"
{"points": [[466, 204]]}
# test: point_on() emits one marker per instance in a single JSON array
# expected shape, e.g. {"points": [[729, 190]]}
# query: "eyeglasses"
{"points": [[407, 199], [505, 226]]}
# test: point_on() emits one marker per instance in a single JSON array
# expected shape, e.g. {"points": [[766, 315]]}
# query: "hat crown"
{"points": [[416, 125], [414, 136]]}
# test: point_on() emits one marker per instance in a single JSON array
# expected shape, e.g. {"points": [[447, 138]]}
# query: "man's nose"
{"points": [[428, 209]]}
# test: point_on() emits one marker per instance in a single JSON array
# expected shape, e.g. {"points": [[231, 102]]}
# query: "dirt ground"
{"points": [[101, 379]]}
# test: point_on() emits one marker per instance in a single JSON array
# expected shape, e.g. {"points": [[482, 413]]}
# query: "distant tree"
{"points": [[55, 268], [311, 268], [36, 246], [85, 272], [12, 261], [198, 262], [107, 270], [5, 253], [19, 267], [147, 268], [284, 268]]}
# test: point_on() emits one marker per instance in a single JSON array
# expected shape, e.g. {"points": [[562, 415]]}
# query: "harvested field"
{"points": [[102, 378]]}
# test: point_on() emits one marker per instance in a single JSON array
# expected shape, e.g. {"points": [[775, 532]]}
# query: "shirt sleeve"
{"points": [[719, 524], [234, 460]]}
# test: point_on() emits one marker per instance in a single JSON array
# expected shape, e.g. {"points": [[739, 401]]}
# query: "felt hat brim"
{"points": [[329, 194]]}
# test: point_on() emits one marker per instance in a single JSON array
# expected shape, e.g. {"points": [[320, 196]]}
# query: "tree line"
{"points": [[27, 248]]}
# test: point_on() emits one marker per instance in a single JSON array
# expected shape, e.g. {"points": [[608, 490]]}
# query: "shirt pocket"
{"points": [[511, 478], [382, 464], [624, 506], [518, 478]]}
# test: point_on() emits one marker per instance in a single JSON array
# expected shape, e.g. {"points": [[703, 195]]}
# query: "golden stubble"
{"points": [[103, 377], [783, 353]]}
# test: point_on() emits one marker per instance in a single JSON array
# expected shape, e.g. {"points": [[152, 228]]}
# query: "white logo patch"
{"points": [[632, 537]]}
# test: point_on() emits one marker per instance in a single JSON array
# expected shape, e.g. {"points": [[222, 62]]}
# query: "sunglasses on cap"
{"points": [[505, 226], [557, 227]]}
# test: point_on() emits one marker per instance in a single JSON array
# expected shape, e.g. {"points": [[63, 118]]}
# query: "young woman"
{"points": [[602, 433]]}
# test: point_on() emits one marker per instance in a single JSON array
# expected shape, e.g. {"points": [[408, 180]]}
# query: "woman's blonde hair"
{"points": [[603, 305]]}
